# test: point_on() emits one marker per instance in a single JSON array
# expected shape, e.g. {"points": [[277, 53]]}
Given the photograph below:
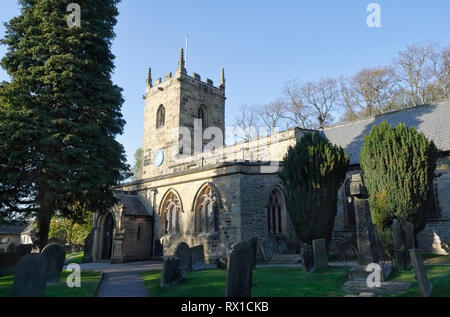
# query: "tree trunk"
{"points": [[44, 218], [44, 214]]}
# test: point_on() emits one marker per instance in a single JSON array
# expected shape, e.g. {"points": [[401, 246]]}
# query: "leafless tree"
{"points": [[376, 87], [297, 112], [246, 124], [349, 100], [272, 114], [323, 98], [440, 69], [415, 70]]}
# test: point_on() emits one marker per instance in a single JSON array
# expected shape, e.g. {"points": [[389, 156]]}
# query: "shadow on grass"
{"points": [[438, 275], [267, 282], [89, 281]]}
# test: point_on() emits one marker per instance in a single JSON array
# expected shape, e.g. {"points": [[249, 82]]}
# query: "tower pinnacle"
{"points": [[149, 78], [222, 78], [181, 63]]}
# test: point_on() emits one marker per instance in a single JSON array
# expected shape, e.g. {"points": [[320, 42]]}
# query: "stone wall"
{"points": [[181, 96], [435, 237], [136, 247], [243, 192], [436, 234], [340, 229], [255, 191]]}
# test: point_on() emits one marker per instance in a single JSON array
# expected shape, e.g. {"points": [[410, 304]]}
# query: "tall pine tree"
{"points": [[60, 113]]}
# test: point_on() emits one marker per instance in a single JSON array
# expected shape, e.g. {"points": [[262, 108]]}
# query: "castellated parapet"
{"points": [[173, 104]]}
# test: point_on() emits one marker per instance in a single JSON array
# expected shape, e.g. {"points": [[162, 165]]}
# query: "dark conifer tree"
{"points": [[60, 113], [313, 171]]}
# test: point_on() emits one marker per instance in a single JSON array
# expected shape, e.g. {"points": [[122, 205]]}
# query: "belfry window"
{"points": [[160, 116], [201, 115]]}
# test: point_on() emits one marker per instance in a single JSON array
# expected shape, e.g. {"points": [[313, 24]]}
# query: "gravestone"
{"points": [[399, 245], [172, 273], [221, 263], [365, 232], [409, 241], [320, 253], [198, 258], [266, 252], [425, 285], [88, 243], [254, 244], [23, 249], [283, 247], [11, 248], [159, 251], [183, 253], [239, 270], [56, 256], [307, 258], [30, 276]]}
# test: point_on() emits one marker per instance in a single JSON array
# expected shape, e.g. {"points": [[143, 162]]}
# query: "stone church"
{"points": [[216, 197]]}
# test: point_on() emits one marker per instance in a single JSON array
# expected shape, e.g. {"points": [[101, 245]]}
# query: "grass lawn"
{"points": [[89, 281], [267, 282], [439, 275], [435, 259], [76, 257]]}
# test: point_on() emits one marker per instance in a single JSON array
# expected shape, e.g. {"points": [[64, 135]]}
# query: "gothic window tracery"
{"points": [[206, 211], [276, 212], [171, 209], [160, 116]]}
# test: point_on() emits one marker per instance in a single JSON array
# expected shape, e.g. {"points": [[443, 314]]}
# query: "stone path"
{"points": [[107, 267], [122, 280], [126, 284]]}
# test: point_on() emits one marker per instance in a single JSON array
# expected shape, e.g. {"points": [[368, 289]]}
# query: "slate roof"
{"points": [[16, 229], [133, 204], [433, 120]]}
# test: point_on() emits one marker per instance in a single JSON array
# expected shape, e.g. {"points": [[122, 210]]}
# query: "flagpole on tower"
{"points": [[187, 36]]}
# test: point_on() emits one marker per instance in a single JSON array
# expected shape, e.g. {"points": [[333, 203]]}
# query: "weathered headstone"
{"points": [[254, 244], [172, 273], [399, 245], [198, 258], [88, 244], [30, 276], [307, 258], [283, 247], [425, 285], [183, 252], [266, 252], [159, 250], [23, 249], [365, 232], [221, 263], [409, 241], [320, 253], [239, 270], [56, 256], [11, 248]]}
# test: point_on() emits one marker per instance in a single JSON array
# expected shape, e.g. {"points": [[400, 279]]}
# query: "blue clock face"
{"points": [[159, 158]]}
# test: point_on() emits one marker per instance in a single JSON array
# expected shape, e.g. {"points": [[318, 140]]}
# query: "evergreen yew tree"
{"points": [[60, 113], [398, 165], [313, 171]]}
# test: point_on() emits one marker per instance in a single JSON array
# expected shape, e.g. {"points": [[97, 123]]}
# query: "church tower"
{"points": [[172, 105]]}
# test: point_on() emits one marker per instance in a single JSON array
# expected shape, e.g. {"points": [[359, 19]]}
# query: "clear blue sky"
{"points": [[261, 44]]}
